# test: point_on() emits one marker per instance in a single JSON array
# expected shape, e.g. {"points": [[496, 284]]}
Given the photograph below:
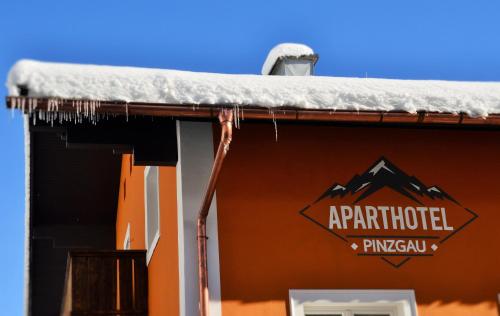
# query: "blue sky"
{"points": [[424, 39]]}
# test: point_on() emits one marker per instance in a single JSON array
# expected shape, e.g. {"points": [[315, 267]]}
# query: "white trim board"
{"points": [[195, 160], [27, 216], [394, 302], [151, 245]]}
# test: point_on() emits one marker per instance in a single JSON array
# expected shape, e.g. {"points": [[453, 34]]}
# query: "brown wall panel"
{"points": [[267, 247]]}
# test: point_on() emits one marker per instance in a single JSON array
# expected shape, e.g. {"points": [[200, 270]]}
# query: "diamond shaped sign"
{"points": [[386, 213]]}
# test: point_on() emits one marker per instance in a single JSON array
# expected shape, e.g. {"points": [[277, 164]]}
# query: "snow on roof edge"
{"points": [[112, 83]]}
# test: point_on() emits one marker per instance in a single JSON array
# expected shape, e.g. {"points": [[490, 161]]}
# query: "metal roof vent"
{"points": [[289, 59]]}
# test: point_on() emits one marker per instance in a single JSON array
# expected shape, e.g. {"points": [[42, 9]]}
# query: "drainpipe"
{"points": [[226, 122]]}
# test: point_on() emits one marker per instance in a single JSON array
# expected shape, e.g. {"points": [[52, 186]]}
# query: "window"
{"points": [[126, 240], [152, 209], [352, 303]]}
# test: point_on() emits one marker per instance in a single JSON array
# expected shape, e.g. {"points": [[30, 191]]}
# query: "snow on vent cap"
{"points": [[285, 50]]}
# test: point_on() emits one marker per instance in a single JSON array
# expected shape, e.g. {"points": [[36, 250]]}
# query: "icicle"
{"points": [[91, 112], [85, 109], [13, 107], [78, 108], [23, 103], [236, 116], [98, 105], [126, 111], [78, 111], [275, 127], [239, 116]]}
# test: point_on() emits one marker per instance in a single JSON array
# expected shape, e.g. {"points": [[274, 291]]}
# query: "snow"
{"points": [[433, 189], [284, 50], [338, 187], [110, 83], [379, 166], [362, 186]]}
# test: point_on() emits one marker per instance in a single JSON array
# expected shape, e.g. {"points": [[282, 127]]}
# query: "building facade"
{"points": [[275, 259], [159, 192]]}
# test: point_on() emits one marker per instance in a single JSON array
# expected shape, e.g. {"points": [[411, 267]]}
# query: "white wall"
{"points": [[196, 155]]}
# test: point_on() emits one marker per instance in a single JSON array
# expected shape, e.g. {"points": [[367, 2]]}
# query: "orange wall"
{"points": [[131, 206], [163, 266], [267, 248]]}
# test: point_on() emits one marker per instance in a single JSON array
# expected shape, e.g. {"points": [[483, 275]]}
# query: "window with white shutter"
{"points": [[352, 303]]}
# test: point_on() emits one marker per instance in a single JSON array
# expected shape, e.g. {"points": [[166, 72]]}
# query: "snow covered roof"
{"points": [[109, 83], [285, 50]]}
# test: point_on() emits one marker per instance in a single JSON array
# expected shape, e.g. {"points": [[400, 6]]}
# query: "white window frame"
{"points": [[126, 240], [151, 245], [348, 302]]}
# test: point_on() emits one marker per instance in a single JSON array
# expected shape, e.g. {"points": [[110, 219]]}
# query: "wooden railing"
{"points": [[106, 283]]}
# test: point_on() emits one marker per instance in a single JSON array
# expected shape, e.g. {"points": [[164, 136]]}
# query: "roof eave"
{"points": [[248, 112]]}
